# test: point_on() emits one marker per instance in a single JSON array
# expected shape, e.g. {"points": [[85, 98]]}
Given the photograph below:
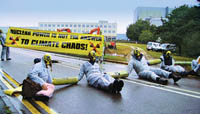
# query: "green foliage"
{"points": [[134, 30], [7, 110], [146, 36], [183, 29]]}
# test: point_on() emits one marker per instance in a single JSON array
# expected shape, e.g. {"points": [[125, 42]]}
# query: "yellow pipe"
{"points": [[66, 80], [120, 74]]}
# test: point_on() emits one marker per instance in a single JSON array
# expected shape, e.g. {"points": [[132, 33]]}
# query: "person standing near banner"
{"points": [[5, 50]]}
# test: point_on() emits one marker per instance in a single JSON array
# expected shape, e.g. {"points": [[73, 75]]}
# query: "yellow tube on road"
{"points": [[120, 74], [154, 61], [66, 80], [13, 91]]}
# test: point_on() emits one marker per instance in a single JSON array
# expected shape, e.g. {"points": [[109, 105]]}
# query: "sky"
{"points": [[30, 12]]}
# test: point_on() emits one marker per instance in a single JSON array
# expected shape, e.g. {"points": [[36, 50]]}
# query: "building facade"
{"points": [[152, 14], [109, 30]]}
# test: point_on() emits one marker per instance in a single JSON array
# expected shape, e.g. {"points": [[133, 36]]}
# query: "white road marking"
{"points": [[181, 93], [185, 90]]}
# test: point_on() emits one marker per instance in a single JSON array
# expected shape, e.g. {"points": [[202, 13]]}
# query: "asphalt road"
{"points": [[137, 97]]}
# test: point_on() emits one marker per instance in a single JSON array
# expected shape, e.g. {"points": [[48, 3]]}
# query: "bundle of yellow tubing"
{"points": [[65, 80]]}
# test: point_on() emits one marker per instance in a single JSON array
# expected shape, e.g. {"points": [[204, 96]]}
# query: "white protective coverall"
{"points": [[5, 50], [144, 71], [94, 76], [195, 65], [41, 75], [172, 67]]}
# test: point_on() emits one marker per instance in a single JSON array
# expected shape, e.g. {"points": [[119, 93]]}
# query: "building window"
{"points": [[109, 31], [83, 25], [58, 25], [79, 25], [105, 31], [78, 31], [45, 25], [74, 25], [105, 26], [53, 25], [71, 25], [109, 26], [101, 26], [83, 31], [96, 25], [41, 25], [113, 31], [87, 25], [74, 30], [66, 25], [62, 25], [113, 26], [91, 25]]}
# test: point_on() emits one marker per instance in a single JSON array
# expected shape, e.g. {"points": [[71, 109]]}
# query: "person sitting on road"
{"points": [[195, 65], [5, 50], [96, 78], [40, 75], [168, 64], [140, 65]]}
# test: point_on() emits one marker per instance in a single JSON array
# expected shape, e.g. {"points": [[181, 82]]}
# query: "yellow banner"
{"points": [[62, 42]]}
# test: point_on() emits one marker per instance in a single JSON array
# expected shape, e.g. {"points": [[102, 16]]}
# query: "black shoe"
{"points": [[161, 81], [2, 59], [110, 87], [115, 86], [174, 77], [183, 74], [120, 85], [191, 72], [8, 59]]}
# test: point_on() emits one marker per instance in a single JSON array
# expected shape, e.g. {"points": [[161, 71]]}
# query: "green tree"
{"points": [[146, 36], [134, 30], [181, 28]]}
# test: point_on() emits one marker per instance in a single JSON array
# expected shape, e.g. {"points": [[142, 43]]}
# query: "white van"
{"points": [[154, 46]]}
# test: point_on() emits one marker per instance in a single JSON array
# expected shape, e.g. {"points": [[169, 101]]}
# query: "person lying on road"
{"points": [[41, 80], [167, 63], [195, 66], [140, 65], [96, 78]]}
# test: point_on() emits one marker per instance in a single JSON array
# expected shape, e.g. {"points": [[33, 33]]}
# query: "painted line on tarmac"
{"points": [[40, 103], [150, 84], [181, 93], [70, 66], [179, 89], [25, 102]]}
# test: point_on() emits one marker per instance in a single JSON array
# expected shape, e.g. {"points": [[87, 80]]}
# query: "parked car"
{"points": [[154, 46], [167, 46]]}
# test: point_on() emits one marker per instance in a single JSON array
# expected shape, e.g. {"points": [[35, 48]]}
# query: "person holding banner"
{"points": [[5, 50], [41, 76], [96, 78]]}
